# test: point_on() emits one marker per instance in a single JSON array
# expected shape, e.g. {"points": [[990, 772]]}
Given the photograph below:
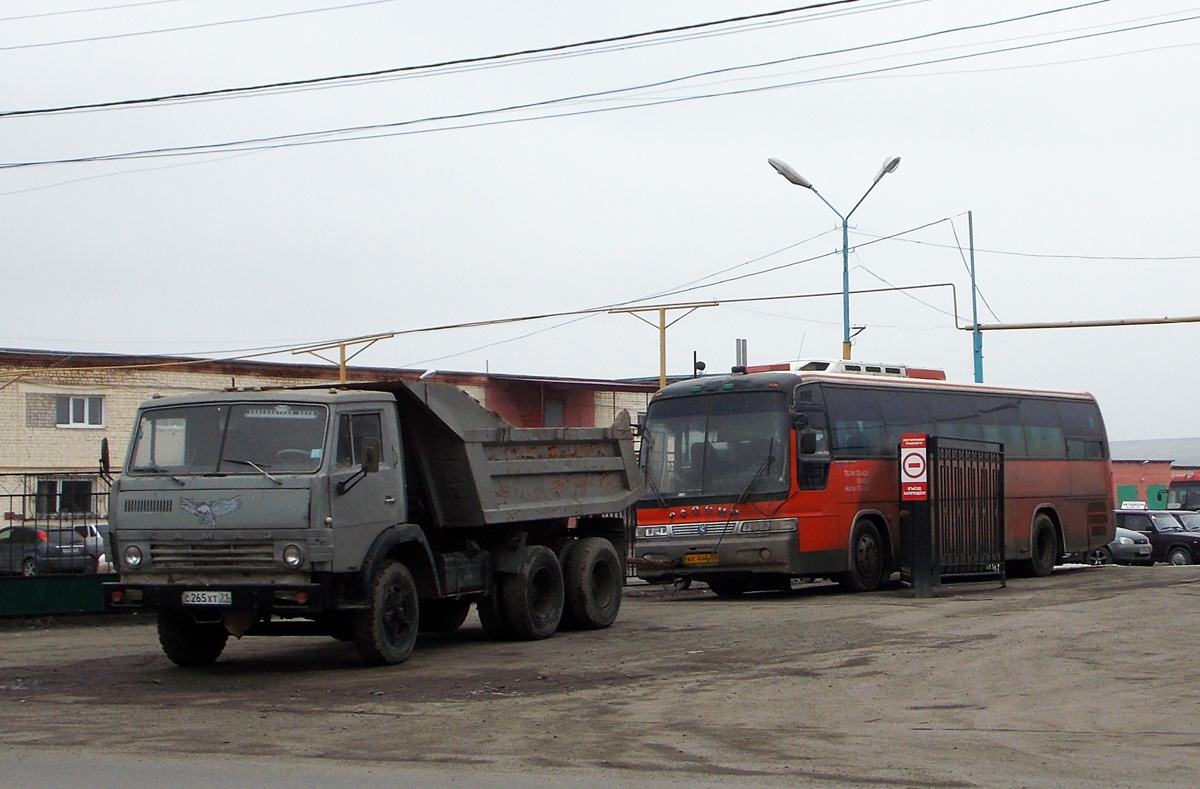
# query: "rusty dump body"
{"points": [[347, 505], [483, 470]]}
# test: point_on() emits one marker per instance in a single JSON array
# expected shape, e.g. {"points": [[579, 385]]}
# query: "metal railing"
{"points": [[52, 524]]}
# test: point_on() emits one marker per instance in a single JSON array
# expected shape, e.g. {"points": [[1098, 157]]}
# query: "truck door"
{"points": [[363, 504]]}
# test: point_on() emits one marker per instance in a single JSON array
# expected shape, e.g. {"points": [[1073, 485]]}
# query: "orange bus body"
{"points": [[814, 529]]}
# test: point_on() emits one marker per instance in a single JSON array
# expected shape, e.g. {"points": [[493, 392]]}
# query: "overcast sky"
{"points": [[462, 182]]}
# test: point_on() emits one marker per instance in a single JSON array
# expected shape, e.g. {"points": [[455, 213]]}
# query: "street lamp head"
{"points": [[889, 166], [784, 169]]}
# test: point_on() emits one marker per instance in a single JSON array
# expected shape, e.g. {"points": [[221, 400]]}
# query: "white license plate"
{"points": [[208, 598]]}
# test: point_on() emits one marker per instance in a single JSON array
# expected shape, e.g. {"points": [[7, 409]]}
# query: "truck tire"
{"points": [[533, 597], [189, 643], [387, 630], [443, 616], [594, 583]]}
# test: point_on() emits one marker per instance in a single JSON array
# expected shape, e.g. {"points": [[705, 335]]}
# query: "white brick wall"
{"points": [[44, 447]]}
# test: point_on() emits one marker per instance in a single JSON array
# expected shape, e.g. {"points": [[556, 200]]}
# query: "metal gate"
{"points": [[956, 532]]}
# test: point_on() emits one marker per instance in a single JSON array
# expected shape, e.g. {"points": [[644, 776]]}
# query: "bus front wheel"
{"points": [[866, 559]]}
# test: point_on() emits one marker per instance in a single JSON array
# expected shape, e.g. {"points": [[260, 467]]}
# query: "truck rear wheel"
{"points": [[189, 643], [533, 597], [443, 616], [594, 583], [387, 630]]}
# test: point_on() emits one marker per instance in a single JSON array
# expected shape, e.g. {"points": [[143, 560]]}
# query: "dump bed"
{"points": [[476, 469]]}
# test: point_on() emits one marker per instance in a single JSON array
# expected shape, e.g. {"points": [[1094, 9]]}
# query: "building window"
{"points": [[79, 411], [65, 497], [553, 413]]}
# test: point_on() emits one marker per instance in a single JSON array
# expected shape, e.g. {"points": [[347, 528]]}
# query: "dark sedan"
{"points": [[1169, 540]]}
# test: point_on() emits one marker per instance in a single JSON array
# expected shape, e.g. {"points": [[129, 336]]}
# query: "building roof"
{"points": [[1179, 451], [15, 361]]}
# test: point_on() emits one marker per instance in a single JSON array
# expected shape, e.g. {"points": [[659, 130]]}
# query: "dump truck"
{"points": [[368, 513]]}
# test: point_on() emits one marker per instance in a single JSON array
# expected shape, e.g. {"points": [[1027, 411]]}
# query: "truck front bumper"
{"points": [[261, 599]]}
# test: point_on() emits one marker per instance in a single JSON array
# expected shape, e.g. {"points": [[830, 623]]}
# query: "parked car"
{"points": [[19, 550], [1129, 547], [1169, 540], [66, 549], [1189, 518], [35, 550]]}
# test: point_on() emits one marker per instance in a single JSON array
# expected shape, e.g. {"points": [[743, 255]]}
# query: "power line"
{"points": [[198, 26], [1050, 256], [314, 81], [85, 10], [448, 121]]}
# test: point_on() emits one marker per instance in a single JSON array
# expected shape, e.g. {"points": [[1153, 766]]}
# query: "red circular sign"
{"points": [[914, 465]]}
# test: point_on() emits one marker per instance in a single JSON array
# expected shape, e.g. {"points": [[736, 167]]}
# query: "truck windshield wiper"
{"points": [[153, 469], [254, 466]]}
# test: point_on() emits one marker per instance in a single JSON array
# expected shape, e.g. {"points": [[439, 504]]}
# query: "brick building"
{"points": [[56, 407]]}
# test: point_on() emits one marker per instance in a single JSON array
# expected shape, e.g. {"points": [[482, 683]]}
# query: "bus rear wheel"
{"points": [[866, 559]]}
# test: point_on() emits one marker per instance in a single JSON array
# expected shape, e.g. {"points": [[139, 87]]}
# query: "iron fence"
{"points": [[53, 524]]}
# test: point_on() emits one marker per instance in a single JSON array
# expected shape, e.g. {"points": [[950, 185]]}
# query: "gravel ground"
{"points": [[1081, 679]]}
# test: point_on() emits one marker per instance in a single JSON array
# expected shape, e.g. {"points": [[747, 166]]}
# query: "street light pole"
{"points": [[889, 166]]}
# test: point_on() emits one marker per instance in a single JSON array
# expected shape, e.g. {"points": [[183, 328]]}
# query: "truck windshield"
{"points": [[230, 438], [717, 446]]}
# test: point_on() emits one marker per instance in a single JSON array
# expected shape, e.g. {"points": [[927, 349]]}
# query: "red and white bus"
{"points": [[758, 478]]}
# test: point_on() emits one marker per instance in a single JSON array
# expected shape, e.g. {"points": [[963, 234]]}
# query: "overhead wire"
{"points": [[482, 59], [197, 26], [400, 128]]}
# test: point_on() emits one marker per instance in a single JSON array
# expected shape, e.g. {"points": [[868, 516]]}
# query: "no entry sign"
{"points": [[914, 471]]}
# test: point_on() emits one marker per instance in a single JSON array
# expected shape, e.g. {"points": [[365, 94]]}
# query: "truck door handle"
{"points": [[389, 499]]}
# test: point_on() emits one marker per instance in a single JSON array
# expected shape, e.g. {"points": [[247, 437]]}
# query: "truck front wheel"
{"points": [[189, 643], [533, 597], [387, 630], [594, 583]]}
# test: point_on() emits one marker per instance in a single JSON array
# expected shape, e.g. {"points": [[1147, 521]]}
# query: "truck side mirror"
{"points": [[105, 463]]}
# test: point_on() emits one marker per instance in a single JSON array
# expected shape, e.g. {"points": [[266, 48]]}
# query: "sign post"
{"points": [[914, 503]]}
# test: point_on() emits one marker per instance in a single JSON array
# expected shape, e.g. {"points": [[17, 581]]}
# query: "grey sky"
{"points": [[1078, 154]]}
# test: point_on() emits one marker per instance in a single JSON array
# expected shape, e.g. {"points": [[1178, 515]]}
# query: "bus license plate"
{"points": [[700, 558], [208, 598]]}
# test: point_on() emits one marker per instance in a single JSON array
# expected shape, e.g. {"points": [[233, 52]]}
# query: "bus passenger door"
{"points": [[815, 506]]}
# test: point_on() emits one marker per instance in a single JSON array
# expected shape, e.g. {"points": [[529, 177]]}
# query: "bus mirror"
{"points": [[808, 441], [799, 421]]}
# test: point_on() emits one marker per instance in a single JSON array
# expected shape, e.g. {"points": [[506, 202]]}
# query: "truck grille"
{"points": [[185, 556], [148, 505], [710, 529]]}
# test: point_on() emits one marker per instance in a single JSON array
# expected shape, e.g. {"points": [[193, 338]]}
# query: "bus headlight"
{"points": [[773, 526], [132, 556], [293, 556]]}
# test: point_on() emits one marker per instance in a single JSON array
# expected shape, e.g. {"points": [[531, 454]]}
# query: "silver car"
{"points": [[1129, 547]]}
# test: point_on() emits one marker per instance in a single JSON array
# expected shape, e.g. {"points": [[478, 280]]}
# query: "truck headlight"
{"points": [[293, 556], [654, 531], [132, 556]]}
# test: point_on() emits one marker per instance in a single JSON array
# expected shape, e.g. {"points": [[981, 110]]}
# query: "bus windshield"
{"points": [[726, 445], [239, 438], [1184, 495]]}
